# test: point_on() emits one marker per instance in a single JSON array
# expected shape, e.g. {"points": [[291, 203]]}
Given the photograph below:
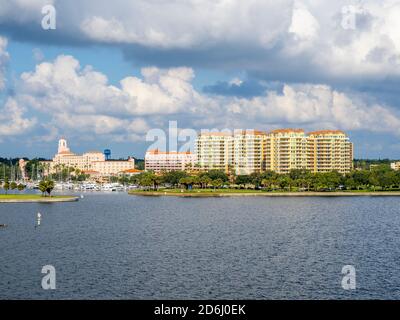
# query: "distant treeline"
{"points": [[139, 164], [14, 161], [366, 163]]}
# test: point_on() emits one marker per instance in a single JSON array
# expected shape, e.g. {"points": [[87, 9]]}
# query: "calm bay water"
{"points": [[129, 247]]}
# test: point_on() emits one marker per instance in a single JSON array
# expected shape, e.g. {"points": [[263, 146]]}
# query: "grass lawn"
{"points": [[28, 196], [198, 191]]}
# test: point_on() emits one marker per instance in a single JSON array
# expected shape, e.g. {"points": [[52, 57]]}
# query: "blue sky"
{"points": [[110, 73]]}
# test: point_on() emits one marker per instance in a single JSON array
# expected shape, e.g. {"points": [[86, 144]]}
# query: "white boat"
{"points": [[112, 187], [89, 186], [107, 187]]}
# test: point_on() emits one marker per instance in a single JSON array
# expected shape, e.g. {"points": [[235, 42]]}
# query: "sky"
{"points": [[111, 72]]}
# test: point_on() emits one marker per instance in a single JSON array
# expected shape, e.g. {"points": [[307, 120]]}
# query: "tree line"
{"points": [[380, 177], [7, 185], [45, 186]]}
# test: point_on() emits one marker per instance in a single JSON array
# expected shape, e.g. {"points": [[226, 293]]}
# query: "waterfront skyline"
{"points": [[298, 64]]}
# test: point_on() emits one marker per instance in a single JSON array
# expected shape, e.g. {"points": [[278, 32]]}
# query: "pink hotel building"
{"points": [[169, 161]]}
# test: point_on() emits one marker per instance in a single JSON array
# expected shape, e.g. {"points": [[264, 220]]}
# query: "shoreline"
{"points": [[267, 194], [40, 200]]}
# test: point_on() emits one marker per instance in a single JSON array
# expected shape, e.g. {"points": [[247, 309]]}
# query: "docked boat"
{"points": [[89, 187]]}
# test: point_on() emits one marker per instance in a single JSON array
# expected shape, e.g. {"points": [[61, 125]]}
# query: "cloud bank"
{"points": [[327, 39], [77, 100], [308, 63], [3, 61]]}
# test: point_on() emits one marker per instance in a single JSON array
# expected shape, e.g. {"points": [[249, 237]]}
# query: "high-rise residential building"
{"points": [[329, 150], [280, 150], [214, 150], [249, 151], [286, 149], [159, 161]]}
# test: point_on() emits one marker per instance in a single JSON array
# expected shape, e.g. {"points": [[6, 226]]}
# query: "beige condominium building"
{"points": [[158, 161], [249, 151], [286, 149], [329, 150], [92, 162], [281, 150], [214, 150]]}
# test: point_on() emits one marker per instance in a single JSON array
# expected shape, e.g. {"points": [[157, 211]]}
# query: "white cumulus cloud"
{"points": [[4, 56], [251, 33], [79, 100], [13, 121]]}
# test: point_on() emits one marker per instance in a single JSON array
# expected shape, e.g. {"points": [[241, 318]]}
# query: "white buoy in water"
{"points": [[39, 218], [81, 196]]}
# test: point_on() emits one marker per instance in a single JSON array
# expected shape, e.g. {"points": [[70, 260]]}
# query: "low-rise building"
{"points": [[394, 165], [130, 172], [159, 161], [113, 167]]}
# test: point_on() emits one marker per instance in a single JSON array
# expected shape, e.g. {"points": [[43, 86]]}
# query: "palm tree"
{"points": [[267, 183], [42, 186], [6, 185], [204, 181], [46, 186], [149, 179], [187, 182], [13, 185], [217, 183]]}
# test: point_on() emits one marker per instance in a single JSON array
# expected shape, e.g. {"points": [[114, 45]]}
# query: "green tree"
{"points": [[13, 185], [243, 180], [217, 183], [173, 177], [350, 183], [187, 182], [332, 179], [372, 180], [387, 179], [204, 181], [284, 182], [46, 186], [216, 174], [149, 179], [361, 178], [6, 185], [267, 183], [255, 179], [296, 174]]}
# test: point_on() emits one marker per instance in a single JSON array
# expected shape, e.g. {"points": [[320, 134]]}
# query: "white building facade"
{"points": [[93, 162]]}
